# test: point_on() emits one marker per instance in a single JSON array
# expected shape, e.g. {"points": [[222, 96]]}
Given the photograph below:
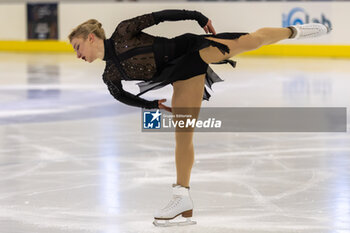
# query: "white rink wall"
{"points": [[13, 21], [226, 17]]}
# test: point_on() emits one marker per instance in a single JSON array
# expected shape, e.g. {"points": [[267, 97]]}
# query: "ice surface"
{"points": [[72, 159]]}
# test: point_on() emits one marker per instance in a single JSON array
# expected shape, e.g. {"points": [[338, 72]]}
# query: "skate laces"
{"points": [[310, 30], [173, 202]]}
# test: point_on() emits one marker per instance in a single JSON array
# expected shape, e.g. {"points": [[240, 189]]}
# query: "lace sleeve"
{"points": [[113, 81], [131, 27], [175, 15]]}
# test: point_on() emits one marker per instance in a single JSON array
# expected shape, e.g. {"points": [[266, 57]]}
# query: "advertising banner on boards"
{"points": [[42, 21]]}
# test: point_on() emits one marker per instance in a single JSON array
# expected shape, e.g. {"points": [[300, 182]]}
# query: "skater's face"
{"points": [[86, 49]]}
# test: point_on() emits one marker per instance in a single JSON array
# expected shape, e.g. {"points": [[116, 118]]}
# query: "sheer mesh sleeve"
{"points": [[112, 79], [131, 27], [175, 15]]}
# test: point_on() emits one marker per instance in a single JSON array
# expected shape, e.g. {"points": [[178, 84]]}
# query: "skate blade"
{"points": [[168, 223]]}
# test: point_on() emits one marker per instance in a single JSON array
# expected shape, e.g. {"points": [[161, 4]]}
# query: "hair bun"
{"points": [[89, 26], [91, 21]]}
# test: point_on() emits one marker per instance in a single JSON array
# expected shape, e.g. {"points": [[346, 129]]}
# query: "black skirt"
{"points": [[178, 59]]}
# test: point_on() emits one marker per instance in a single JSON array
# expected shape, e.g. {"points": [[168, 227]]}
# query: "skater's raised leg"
{"points": [[261, 37]]}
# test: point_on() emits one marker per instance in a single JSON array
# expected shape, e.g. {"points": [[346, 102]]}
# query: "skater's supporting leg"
{"points": [[186, 100]]}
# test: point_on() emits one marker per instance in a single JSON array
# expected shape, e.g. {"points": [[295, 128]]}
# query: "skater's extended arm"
{"points": [[116, 89], [176, 15], [130, 99], [135, 25]]}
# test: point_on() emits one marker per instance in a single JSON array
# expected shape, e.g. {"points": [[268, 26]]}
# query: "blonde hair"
{"points": [[84, 29]]}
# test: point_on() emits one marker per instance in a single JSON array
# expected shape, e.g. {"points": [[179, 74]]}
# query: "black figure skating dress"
{"points": [[131, 54]]}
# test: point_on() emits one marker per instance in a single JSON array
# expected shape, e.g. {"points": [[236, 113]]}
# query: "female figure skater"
{"points": [[182, 61]]}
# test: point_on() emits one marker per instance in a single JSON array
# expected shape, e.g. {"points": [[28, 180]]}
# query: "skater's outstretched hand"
{"points": [[209, 28], [162, 106]]}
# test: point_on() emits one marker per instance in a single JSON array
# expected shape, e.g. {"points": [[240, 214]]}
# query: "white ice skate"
{"points": [[309, 30], [180, 204]]}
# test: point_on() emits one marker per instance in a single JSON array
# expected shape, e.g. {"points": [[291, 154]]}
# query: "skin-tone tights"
{"points": [[188, 94]]}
